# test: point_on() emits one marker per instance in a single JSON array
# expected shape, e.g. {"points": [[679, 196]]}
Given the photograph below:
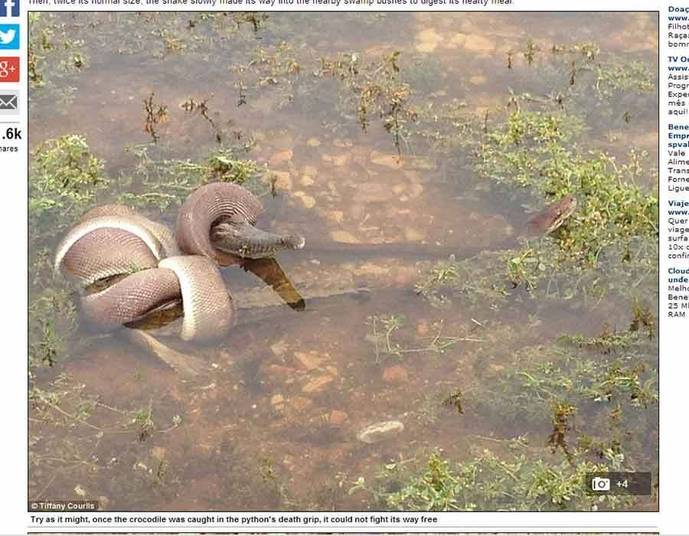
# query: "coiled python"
{"points": [[131, 266]]}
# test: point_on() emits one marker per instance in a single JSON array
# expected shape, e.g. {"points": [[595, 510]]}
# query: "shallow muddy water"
{"points": [[274, 423]]}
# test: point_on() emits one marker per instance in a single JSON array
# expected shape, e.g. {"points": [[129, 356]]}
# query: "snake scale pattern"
{"points": [[138, 266]]}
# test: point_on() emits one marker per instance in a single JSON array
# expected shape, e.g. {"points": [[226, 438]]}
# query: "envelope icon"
{"points": [[8, 102]]}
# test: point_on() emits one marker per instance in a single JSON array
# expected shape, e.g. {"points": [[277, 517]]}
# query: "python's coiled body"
{"points": [[150, 267], [207, 205]]}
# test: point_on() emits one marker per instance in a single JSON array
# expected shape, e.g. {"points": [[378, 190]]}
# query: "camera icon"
{"points": [[600, 484]]}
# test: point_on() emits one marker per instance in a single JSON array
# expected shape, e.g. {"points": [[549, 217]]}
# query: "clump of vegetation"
{"points": [[471, 279], [536, 150], [454, 400], [171, 41], [142, 420], [586, 393], [382, 329], [589, 391], [52, 324], [605, 368], [583, 67], [156, 114], [65, 178], [617, 77], [643, 318], [270, 67], [378, 89], [256, 19], [611, 236], [517, 480], [200, 107], [563, 413], [587, 50], [165, 183], [225, 166], [55, 56], [389, 341]]}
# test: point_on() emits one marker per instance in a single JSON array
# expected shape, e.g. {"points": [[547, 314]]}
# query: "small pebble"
{"points": [[344, 237], [337, 417], [380, 431]]}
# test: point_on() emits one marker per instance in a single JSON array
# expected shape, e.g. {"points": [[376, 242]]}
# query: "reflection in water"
{"points": [[270, 272]]}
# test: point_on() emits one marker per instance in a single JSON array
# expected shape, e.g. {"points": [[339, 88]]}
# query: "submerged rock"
{"points": [[307, 200], [427, 40], [306, 180], [395, 375], [380, 431], [283, 180], [281, 157], [308, 360], [390, 160], [344, 237], [337, 417], [318, 384]]}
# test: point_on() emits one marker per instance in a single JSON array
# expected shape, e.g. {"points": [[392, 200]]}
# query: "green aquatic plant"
{"points": [[454, 400], [563, 414], [643, 318], [516, 480], [588, 50], [226, 166], [142, 421], [382, 330], [388, 339], [606, 342], [156, 114], [376, 88], [201, 108], [537, 151], [64, 179], [589, 391], [530, 51], [590, 71], [55, 57], [472, 279], [257, 20], [52, 324], [164, 183], [574, 368], [617, 76], [273, 67]]}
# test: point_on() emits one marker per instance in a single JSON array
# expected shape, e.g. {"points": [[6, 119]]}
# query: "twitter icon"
{"points": [[9, 36]]}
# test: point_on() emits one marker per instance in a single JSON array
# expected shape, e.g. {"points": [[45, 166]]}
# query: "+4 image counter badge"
{"points": [[9, 69], [9, 36], [9, 8]]}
